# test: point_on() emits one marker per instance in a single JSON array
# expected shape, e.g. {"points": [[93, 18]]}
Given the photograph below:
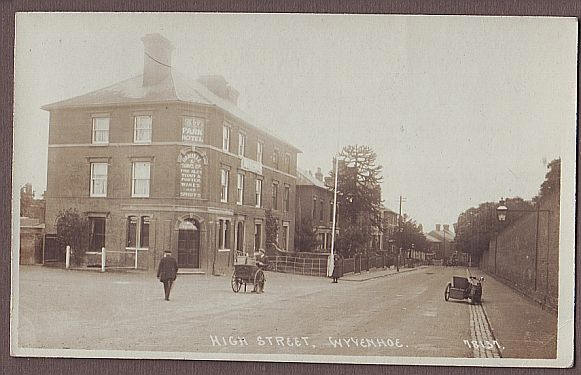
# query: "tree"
{"points": [[478, 225], [306, 236], [271, 229], [358, 198], [73, 230], [552, 181]]}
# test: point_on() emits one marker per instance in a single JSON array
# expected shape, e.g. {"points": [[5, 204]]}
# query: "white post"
{"points": [[135, 258], [68, 257], [103, 259]]}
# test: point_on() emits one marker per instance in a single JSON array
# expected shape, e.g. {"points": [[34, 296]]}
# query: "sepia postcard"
{"points": [[367, 189]]}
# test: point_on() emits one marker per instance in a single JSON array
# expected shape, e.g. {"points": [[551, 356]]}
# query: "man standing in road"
{"points": [[167, 272]]}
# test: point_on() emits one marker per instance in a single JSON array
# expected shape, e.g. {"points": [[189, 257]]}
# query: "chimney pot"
{"points": [[437, 227], [156, 59], [319, 175]]}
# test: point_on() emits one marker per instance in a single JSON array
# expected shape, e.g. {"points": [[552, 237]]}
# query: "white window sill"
{"points": [[223, 250], [100, 144], [98, 196], [142, 142], [140, 196]]}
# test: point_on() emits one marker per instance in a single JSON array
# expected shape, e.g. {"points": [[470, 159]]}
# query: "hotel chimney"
{"points": [[156, 59]]}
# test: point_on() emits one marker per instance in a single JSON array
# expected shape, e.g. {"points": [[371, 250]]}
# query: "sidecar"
{"points": [[464, 288]]}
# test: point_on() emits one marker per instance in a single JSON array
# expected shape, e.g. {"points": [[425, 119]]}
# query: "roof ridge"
{"points": [[47, 106]]}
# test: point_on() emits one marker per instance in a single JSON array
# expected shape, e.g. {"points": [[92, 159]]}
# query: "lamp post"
{"points": [[502, 211]]}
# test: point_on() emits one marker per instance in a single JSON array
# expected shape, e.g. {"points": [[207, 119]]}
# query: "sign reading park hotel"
{"points": [[193, 130]]}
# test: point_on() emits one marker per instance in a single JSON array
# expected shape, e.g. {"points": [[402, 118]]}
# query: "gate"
{"points": [[53, 251]]}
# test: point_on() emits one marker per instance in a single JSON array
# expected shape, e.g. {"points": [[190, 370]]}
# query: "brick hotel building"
{"points": [[161, 161]]}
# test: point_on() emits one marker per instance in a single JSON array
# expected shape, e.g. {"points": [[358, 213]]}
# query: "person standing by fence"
{"points": [[167, 272], [336, 274]]}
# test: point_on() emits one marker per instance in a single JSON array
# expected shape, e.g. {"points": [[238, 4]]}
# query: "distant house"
{"points": [[31, 234], [315, 203], [441, 241]]}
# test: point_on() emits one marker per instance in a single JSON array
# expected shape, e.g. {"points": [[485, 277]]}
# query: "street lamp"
{"points": [[502, 212]]}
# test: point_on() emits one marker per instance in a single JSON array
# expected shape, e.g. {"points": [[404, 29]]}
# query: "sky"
{"points": [[460, 110]]}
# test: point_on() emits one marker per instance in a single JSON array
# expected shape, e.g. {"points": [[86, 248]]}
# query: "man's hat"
{"points": [[167, 251]]}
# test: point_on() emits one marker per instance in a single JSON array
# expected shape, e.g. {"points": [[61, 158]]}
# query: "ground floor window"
{"points": [[137, 232], [257, 236], [285, 236], [97, 237], [223, 234]]}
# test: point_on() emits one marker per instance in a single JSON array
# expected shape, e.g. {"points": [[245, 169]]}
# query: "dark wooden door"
{"points": [[189, 246]]}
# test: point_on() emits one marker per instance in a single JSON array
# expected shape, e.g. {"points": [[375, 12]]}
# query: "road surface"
{"points": [[398, 315]]}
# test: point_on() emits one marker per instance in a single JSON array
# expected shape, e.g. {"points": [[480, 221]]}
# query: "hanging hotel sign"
{"points": [[190, 164], [251, 166], [193, 130]]}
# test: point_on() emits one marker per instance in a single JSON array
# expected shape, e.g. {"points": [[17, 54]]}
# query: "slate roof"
{"points": [[177, 87], [441, 234], [431, 238], [306, 178]]}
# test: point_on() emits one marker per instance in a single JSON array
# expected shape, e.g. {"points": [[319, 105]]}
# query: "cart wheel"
{"points": [[447, 292], [259, 281], [236, 284]]}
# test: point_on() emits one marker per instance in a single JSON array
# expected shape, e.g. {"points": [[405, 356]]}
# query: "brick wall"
{"points": [[526, 261]]}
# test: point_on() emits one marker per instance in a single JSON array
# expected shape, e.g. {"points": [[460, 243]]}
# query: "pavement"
{"points": [[387, 314], [377, 273]]}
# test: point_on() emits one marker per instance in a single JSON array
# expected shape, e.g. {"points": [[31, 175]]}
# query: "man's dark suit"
{"points": [[167, 272]]}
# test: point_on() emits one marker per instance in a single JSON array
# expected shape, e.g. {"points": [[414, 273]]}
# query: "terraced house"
{"points": [[161, 161]]}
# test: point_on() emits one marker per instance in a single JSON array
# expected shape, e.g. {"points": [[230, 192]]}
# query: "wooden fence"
{"points": [[317, 265]]}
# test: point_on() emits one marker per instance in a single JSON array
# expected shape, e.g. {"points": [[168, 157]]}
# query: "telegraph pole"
{"points": [[400, 230]]}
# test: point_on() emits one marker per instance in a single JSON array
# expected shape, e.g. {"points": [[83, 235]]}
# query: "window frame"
{"points": [[258, 193], [286, 198], [94, 121], [93, 178], [240, 188], [241, 144], [135, 129], [260, 152], [134, 179], [224, 184], [274, 195], [226, 130]]}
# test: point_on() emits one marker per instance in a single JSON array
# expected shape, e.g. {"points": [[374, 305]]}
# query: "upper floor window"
{"points": [[241, 144], [314, 208], [330, 211], [258, 193], [287, 162], [240, 189], [274, 195], [259, 151], [100, 129], [286, 198], [142, 133], [224, 177], [226, 138], [275, 158], [98, 179], [140, 180]]}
